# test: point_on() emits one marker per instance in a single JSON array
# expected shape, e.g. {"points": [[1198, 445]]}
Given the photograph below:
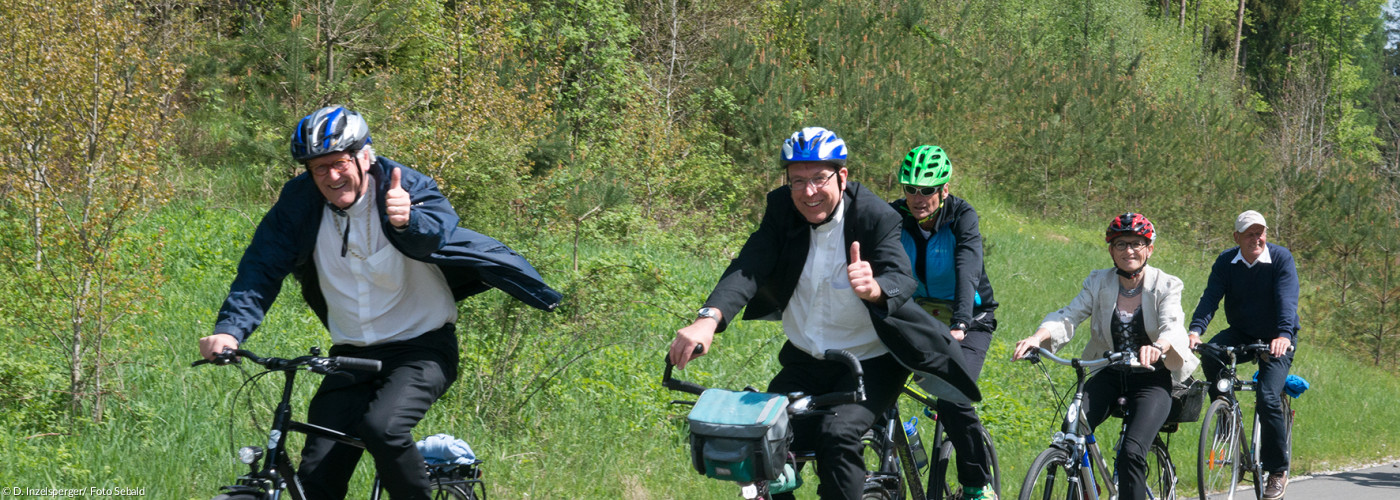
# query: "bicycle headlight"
{"points": [[1223, 385], [249, 455]]}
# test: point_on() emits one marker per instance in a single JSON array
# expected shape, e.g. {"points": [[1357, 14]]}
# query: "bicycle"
{"points": [[1073, 461], [749, 464], [1225, 451], [277, 475], [891, 443]]}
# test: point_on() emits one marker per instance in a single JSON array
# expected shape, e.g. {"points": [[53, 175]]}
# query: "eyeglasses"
{"points": [[341, 166], [816, 182], [1124, 245], [926, 191]]}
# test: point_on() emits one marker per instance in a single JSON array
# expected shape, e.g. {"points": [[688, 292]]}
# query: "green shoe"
{"points": [[982, 493]]}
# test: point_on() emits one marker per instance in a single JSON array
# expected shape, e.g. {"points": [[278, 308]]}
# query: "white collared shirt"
{"points": [[824, 312], [375, 293], [1263, 257]]}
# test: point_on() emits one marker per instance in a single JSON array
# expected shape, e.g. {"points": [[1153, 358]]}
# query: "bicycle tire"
{"points": [[238, 496], [1255, 466], [943, 473], [876, 492], [1049, 472], [1218, 455], [451, 492], [1161, 473]]}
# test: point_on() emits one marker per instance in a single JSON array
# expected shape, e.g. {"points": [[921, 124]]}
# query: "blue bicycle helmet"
{"points": [[814, 144], [329, 130]]}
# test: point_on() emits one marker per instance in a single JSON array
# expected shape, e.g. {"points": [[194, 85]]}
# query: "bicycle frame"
{"points": [[1227, 385], [1090, 473]]}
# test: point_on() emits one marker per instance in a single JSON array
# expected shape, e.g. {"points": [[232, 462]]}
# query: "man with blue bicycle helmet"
{"points": [[380, 259], [827, 261], [941, 235]]}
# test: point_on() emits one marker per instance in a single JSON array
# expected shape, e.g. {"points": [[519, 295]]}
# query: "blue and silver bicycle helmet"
{"points": [[329, 130], [814, 144]]}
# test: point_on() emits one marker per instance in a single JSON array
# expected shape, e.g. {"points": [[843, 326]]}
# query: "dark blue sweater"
{"points": [[1260, 301]]}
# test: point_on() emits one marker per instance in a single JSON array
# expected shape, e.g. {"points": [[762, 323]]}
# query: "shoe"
{"points": [[1274, 486], [982, 493]]}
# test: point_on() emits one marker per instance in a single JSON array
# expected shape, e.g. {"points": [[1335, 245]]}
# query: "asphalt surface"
{"points": [[1381, 482]]}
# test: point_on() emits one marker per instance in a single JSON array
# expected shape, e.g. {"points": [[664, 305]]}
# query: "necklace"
{"points": [[1129, 292], [344, 237]]}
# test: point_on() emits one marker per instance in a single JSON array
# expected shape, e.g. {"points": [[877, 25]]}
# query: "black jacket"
{"points": [[761, 280]]}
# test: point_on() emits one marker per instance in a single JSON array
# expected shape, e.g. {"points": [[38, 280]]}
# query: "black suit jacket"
{"points": [[761, 280]]}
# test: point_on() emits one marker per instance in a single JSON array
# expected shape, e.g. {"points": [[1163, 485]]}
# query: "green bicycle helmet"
{"points": [[926, 166]]}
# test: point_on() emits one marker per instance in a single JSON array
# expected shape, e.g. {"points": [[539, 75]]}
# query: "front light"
{"points": [[1222, 386], [249, 455]]}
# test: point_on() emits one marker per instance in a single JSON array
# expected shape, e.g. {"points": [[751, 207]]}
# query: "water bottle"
{"points": [[911, 430]]}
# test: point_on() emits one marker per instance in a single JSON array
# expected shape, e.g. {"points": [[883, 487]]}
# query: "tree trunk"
{"points": [[1239, 33], [1181, 19]]}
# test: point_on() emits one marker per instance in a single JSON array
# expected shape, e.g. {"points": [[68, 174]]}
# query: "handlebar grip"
{"points": [[359, 364], [836, 398], [683, 386], [847, 359]]}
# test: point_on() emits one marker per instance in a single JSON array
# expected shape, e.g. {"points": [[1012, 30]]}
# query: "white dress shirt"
{"points": [[375, 293], [824, 312]]}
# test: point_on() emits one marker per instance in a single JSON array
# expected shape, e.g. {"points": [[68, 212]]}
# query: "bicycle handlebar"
{"points": [[1257, 347], [1111, 358], [822, 400], [313, 362]]}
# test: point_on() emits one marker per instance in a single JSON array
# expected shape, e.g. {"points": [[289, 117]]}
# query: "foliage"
{"points": [[85, 108]]}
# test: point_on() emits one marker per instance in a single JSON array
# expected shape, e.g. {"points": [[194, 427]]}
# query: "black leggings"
{"points": [[1149, 399], [961, 422]]}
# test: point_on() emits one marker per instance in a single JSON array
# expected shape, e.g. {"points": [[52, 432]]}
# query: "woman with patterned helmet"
{"points": [[1133, 308], [940, 234]]}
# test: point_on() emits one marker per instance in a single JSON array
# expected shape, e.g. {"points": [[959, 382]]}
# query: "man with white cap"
{"points": [[1259, 283]]}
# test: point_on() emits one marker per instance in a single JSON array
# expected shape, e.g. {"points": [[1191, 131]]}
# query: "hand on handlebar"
{"points": [[1028, 345], [684, 347], [1280, 346], [210, 347]]}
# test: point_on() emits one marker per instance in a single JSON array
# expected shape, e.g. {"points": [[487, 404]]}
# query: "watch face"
{"points": [[707, 312]]}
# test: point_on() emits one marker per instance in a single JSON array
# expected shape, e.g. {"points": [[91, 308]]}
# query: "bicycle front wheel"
{"points": [[1218, 458], [1161, 473], [1049, 477]]}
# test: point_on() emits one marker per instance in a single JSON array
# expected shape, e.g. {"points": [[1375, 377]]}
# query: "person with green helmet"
{"points": [[941, 236]]}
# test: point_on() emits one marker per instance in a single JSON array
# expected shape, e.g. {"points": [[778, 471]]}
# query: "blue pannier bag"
{"points": [[739, 436]]}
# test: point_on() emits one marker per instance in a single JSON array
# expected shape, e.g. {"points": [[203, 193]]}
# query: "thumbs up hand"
{"points": [[862, 278], [397, 202]]}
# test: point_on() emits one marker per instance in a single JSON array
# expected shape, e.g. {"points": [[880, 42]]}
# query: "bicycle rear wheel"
{"points": [[1218, 457], [1049, 477], [452, 492], [1161, 473], [943, 477]]}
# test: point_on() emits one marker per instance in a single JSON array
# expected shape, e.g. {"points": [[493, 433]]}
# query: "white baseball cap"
{"points": [[1249, 218]]}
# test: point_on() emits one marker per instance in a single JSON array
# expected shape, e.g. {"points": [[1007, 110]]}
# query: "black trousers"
{"points": [[961, 421], [836, 438], [1148, 400], [1268, 399], [381, 409]]}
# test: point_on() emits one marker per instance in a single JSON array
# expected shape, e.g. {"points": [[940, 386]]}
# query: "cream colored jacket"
{"points": [[1161, 311]]}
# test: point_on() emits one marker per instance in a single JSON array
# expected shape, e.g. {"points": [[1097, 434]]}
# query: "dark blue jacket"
{"points": [[286, 236], [1260, 301]]}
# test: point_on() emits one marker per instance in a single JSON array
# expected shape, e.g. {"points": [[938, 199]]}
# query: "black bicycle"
{"points": [[270, 471], [756, 457], [896, 443], [1226, 453]]}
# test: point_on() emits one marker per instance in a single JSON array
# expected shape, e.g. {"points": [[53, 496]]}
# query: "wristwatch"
{"points": [[958, 325], [708, 312]]}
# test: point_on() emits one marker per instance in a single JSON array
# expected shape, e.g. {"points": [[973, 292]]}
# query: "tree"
{"points": [[86, 102]]}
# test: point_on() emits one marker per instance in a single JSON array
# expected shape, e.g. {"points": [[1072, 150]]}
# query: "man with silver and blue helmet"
{"points": [[380, 259]]}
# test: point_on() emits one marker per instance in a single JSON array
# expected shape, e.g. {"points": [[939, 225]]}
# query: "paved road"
{"points": [[1381, 482]]}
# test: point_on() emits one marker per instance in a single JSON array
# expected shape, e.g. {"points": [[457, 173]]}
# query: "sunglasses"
{"points": [[926, 191]]}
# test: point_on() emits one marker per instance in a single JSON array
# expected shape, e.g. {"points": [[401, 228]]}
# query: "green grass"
{"points": [[605, 428]]}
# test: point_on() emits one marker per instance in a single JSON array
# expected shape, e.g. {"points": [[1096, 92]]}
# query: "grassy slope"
{"points": [[607, 432]]}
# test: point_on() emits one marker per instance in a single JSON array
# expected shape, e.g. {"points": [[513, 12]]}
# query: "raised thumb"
{"points": [[855, 252]]}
